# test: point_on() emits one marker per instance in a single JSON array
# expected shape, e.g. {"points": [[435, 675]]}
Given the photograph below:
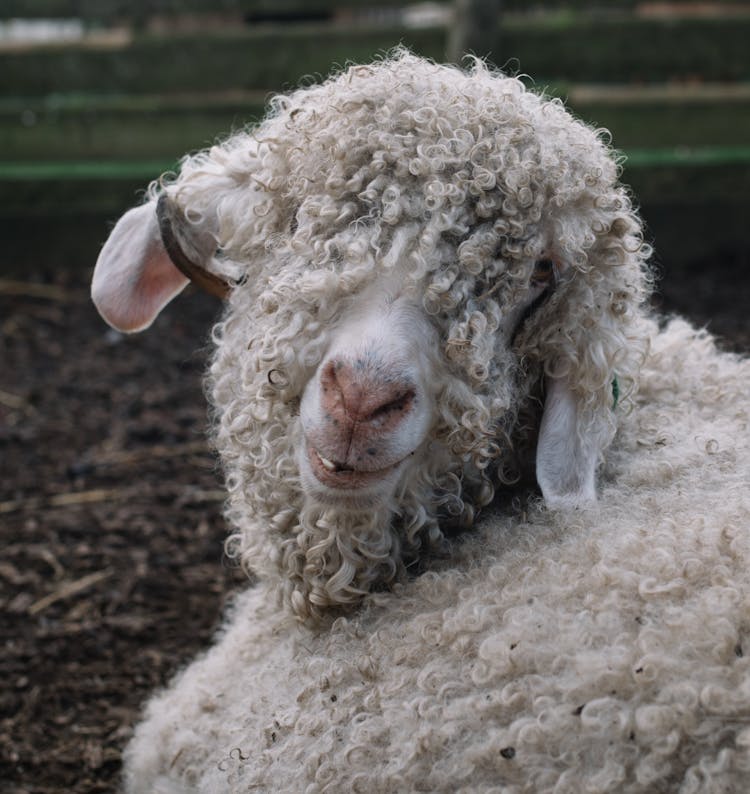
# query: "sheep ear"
{"points": [[134, 277], [567, 452]]}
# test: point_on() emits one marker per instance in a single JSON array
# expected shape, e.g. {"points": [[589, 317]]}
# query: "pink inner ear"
{"points": [[156, 284], [134, 278]]}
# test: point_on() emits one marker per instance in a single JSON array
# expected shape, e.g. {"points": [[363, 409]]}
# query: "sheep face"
{"points": [[368, 409], [420, 259], [368, 414]]}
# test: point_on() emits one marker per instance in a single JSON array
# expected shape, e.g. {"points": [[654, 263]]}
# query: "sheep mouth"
{"points": [[343, 477]]}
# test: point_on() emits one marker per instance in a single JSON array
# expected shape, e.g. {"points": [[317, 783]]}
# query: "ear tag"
{"points": [[615, 392]]}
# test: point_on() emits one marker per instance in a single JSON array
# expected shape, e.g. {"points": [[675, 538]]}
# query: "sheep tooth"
{"points": [[330, 465]]}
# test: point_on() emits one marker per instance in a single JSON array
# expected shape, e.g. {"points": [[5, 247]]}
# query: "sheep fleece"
{"points": [[591, 650], [452, 184]]}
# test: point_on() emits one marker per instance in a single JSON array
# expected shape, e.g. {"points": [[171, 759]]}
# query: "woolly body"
{"points": [[594, 650]]}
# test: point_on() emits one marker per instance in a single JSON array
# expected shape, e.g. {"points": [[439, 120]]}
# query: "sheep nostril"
{"points": [[353, 394], [400, 404]]}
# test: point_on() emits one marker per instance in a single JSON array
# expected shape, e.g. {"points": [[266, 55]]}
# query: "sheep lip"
{"points": [[344, 477]]}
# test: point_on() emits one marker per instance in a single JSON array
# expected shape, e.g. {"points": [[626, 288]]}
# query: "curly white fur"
{"points": [[390, 222], [599, 650], [450, 187]]}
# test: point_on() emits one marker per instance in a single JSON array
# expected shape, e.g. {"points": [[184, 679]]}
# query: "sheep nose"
{"points": [[353, 393]]}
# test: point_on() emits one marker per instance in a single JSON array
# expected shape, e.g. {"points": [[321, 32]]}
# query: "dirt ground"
{"points": [[111, 571]]}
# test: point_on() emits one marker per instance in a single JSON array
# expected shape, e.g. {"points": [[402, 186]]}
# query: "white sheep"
{"points": [[599, 650], [435, 280], [596, 650], [420, 257]]}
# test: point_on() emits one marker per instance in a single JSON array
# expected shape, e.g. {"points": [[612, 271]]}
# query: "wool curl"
{"points": [[598, 650], [455, 182]]}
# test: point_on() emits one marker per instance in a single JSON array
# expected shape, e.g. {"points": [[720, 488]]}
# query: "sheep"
{"points": [[600, 649], [442, 267], [435, 291]]}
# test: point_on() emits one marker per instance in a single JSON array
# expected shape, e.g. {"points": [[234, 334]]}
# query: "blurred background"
{"points": [[100, 96], [111, 571]]}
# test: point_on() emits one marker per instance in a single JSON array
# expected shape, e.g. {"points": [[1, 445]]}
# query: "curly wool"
{"points": [[455, 183], [601, 650]]}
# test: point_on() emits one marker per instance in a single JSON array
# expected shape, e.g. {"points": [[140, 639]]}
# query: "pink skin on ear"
{"points": [[134, 278]]}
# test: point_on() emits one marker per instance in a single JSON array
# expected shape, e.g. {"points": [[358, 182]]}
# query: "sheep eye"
{"points": [[544, 272]]}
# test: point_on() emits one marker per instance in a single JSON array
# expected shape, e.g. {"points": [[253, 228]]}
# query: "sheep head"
{"points": [[420, 258]]}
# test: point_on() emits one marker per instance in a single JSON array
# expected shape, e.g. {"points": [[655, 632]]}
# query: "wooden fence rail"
{"points": [[98, 10], [85, 124], [582, 49]]}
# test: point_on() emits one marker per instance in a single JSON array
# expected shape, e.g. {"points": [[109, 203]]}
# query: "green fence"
{"points": [[574, 48], [96, 10], [85, 124], [128, 9]]}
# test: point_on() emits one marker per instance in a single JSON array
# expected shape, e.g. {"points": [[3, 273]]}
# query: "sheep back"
{"points": [[594, 650]]}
